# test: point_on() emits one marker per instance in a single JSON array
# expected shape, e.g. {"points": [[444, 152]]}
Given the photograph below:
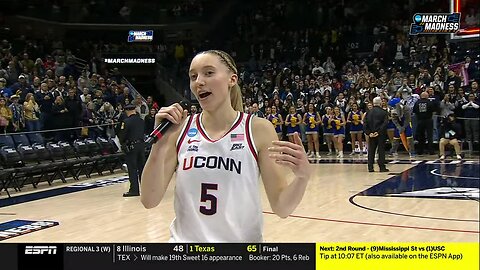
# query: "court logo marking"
{"points": [[20, 227]]}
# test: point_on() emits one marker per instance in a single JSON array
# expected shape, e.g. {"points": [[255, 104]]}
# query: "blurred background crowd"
{"points": [[331, 54]]}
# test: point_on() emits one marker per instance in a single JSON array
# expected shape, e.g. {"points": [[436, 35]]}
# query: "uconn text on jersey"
{"points": [[212, 162]]}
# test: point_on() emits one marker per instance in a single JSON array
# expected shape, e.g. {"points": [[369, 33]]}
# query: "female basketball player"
{"points": [[277, 121], [311, 119], [339, 131], [220, 154], [328, 129], [292, 121], [356, 128]]}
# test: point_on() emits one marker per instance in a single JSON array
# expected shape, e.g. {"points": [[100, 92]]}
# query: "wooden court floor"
{"points": [[326, 213]]}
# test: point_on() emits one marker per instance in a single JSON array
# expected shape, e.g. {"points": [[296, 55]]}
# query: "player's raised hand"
{"points": [[291, 155]]}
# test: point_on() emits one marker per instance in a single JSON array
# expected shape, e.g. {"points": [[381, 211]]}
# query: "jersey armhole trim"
{"points": [[250, 142], [184, 132]]}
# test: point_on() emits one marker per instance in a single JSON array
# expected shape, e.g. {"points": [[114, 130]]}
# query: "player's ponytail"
{"points": [[236, 98]]}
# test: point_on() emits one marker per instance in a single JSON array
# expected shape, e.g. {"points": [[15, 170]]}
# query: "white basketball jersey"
{"points": [[217, 196]]}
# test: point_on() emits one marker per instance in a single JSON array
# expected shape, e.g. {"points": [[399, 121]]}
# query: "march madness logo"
{"points": [[435, 23], [19, 227]]}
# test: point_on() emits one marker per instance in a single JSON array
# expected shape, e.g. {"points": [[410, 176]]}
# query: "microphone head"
{"points": [[185, 104]]}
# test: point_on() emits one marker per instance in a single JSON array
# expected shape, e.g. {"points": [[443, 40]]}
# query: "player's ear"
{"points": [[233, 80]]}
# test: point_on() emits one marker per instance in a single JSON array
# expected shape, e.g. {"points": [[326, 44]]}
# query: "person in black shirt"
{"points": [[150, 121], [375, 127], [132, 140], [424, 109], [471, 112], [450, 133]]}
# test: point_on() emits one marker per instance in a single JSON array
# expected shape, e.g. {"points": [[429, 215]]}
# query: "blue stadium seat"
{"points": [[36, 138], [6, 140], [20, 139]]}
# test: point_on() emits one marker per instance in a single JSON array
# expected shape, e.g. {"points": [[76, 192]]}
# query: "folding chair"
{"points": [[6, 179]]}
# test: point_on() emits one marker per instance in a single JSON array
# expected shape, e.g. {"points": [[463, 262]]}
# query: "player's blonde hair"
{"points": [[235, 91]]}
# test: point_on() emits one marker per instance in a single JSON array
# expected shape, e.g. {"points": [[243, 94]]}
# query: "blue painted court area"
{"points": [[439, 180], [60, 191]]}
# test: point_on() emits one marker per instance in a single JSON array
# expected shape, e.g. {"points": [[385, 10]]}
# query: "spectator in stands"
{"points": [[62, 119], [193, 109], [85, 93], [140, 106], [89, 118], [61, 88], [460, 100], [106, 115], [21, 88], [329, 66], [74, 107], [39, 68], [446, 107], [152, 104], [150, 121], [472, 68], [13, 71], [450, 132], [474, 90], [18, 119], [321, 108], [256, 111], [454, 79], [36, 84], [27, 63], [4, 90], [437, 82], [32, 113], [60, 65], [98, 99], [126, 96], [49, 63], [472, 113], [45, 100], [405, 87], [340, 102], [5, 116], [70, 68]]}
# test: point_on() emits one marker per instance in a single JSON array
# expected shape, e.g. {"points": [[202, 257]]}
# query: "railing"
{"points": [[179, 83]]}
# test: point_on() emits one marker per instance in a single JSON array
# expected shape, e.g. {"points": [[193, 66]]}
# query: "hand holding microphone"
{"points": [[165, 117]]}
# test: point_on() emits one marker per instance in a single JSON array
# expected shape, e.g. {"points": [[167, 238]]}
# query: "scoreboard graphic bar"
{"points": [[279, 256]]}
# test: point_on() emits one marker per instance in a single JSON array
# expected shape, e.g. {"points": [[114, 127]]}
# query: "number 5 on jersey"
{"points": [[205, 197]]}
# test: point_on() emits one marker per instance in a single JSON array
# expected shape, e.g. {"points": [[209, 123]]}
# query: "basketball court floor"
{"points": [[417, 201]]}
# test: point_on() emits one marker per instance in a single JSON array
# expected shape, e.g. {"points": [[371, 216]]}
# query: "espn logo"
{"points": [[36, 250]]}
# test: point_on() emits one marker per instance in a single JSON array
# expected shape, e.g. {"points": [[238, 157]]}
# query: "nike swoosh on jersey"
{"points": [[192, 141]]}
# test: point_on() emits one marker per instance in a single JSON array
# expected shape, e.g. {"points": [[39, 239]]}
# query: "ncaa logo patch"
{"points": [[192, 132]]}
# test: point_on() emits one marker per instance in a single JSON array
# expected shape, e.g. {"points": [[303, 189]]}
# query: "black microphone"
{"points": [[158, 132]]}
